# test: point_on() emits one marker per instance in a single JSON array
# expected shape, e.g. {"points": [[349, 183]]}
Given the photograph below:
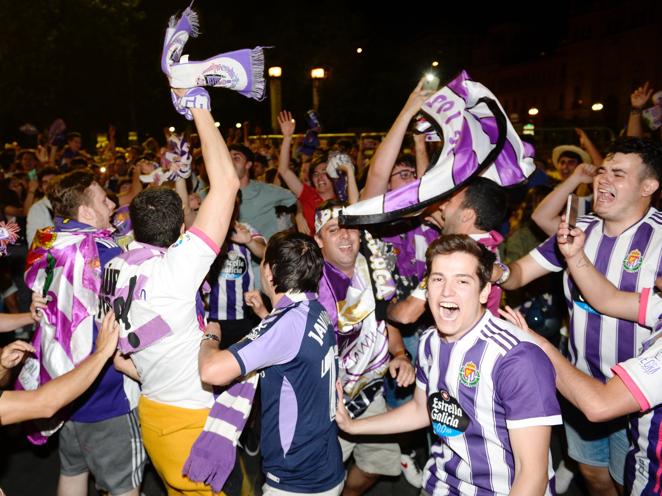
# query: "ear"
{"points": [[319, 241], [249, 165], [182, 228], [485, 293], [649, 186], [468, 216], [84, 214]]}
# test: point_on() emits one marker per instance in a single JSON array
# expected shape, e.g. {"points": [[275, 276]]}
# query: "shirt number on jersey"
{"points": [[329, 367]]}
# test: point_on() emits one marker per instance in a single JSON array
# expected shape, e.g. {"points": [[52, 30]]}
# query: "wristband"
{"points": [[403, 352], [635, 110], [505, 274], [210, 337]]}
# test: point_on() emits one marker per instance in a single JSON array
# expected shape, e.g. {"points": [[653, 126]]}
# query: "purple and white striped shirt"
{"points": [[632, 262], [642, 376], [490, 381], [235, 277]]}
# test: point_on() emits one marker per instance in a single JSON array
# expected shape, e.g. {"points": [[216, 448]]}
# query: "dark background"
{"points": [[96, 62]]}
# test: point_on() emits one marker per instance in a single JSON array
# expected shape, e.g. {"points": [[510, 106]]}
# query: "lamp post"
{"points": [[317, 75], [275, 95]]}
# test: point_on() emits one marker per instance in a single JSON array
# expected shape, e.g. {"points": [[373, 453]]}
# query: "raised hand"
{"points": [[240, 234], [640, 96], [287, 123], [254, 300], [570, 241], [584, 173], [416, 99]]}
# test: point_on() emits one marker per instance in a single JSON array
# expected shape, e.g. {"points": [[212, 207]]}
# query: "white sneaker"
{"points": [[563, 478], [411, 470]]}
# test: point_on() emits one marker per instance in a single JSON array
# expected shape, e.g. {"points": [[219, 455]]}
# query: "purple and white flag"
{"points": [[63, 266], [240, 70], [478, 139]]}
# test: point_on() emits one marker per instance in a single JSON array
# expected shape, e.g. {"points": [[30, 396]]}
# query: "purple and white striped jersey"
{"points": [[642, 376], [233, 277], [490, 381], [632, 262]]}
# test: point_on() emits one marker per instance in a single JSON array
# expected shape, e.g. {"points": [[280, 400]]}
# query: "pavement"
{"points": [[27, 470]]}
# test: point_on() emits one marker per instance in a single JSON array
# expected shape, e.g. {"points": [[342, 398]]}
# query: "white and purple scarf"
{"points": [[63, 265], [240, 70], [478, 139]]}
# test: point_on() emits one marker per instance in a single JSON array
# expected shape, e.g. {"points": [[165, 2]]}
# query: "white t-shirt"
{"points": [[168, 283]]}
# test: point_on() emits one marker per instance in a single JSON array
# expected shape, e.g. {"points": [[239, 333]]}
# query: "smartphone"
{"points": [[431, 82], [32, 175], [571, 209]]}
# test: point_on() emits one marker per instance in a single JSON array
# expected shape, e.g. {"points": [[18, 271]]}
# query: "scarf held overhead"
{"points": [[240, 70], [478, 139]]}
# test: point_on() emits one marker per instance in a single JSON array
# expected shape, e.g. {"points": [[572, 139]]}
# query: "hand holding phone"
{"points": [[571, 210]]}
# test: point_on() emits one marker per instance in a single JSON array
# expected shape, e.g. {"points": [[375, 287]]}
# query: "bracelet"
{"points": [[210, 337], [505, 273], [403, 352], [635, 110]]}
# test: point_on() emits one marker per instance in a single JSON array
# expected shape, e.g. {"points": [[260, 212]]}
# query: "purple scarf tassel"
{"points": [[213, 454]]}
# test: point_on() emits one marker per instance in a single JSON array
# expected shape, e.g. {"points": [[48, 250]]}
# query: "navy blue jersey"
{"points": [[295, 349]]}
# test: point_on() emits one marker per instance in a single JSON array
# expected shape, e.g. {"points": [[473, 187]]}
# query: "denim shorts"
{"points": [[599, 445]]}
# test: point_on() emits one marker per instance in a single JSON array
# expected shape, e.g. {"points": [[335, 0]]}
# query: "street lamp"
{"points": [[533, 111], [596, 107], [275, 95], [317, 75]]}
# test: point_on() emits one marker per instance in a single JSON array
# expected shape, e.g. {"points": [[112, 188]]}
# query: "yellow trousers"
{"points": [[168, 434]]}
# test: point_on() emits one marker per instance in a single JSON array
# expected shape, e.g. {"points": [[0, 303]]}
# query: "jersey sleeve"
{"points": [[187, 262], [547, 255], [642, 375], [525, 385], [271, 343]]}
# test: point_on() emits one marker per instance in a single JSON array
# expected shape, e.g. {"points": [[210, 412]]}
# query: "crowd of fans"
{"points": [[405, 305]]}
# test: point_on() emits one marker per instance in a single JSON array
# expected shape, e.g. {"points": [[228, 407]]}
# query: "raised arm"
{"points": [[387, 152], [287, 126], [223, 180], [588, 145], [421, 153], [44, 402], [595, 287], [547, 214], [136, 187], [638, 100]]}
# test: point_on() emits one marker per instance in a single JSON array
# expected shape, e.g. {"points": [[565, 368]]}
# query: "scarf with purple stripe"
{"points": [[63, 264], [362, 339], [240, 70], [478, 139]]}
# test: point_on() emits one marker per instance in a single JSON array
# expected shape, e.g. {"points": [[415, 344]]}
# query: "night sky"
{"points": [[97, 62]]}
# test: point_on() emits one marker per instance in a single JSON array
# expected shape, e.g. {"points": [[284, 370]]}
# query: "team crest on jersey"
{"points": [[469, 374], [633, 261]]}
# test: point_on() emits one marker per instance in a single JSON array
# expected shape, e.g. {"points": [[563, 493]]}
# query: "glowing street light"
{"points": [[275, 95], [533, 111], [317, 75], [217, 124], [359, 50], [171, 129], [238, 125], [597, 107], [435, 63]]}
